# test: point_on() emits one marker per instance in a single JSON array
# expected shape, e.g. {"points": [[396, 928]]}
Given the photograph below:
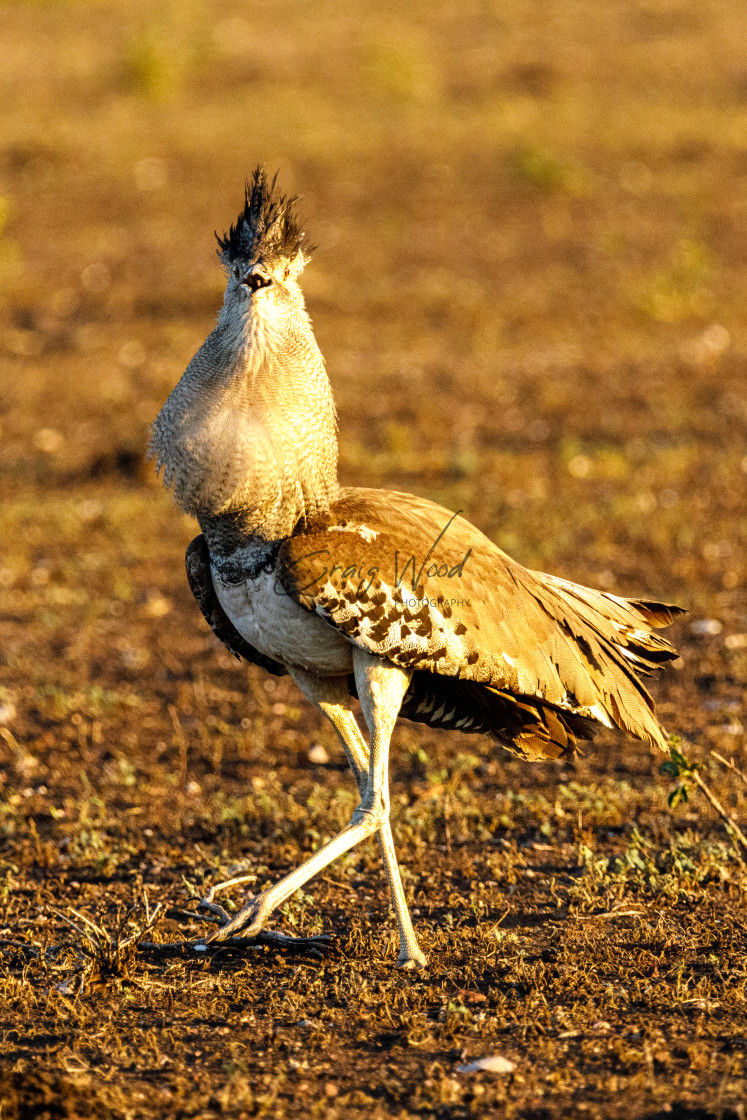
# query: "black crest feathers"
{"points": [[267, 228]]}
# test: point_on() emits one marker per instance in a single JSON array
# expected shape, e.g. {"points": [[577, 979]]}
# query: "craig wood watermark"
{"points": [[366, 573]]}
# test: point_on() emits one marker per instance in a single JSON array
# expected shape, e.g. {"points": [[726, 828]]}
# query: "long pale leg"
{"points": [[382, 687], [332, 698], [251, 919], [367, 819], [330, 695]]}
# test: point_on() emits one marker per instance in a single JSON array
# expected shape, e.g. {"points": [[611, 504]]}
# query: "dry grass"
{"points": [[531, 222]]}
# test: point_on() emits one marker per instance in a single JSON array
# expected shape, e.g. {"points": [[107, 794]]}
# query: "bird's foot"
{"points": [[412, 958], [246, 927], [248, 922]]}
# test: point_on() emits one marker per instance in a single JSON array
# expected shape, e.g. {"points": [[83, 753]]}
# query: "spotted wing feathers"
{"points": [[534, 660]]}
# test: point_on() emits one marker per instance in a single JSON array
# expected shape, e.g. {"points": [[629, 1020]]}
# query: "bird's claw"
{"points": [[247, 926], [248, 922], [210, 907], [250, 929]]}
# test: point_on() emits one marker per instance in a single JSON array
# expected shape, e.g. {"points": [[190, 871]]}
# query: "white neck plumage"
{"points": [[247, 439]]}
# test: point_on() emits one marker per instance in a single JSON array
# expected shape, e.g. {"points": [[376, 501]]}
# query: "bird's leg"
{"points": [[332, 698], [381, 689], [251, 919], [330, 695], [410, 953], [384, 687]]}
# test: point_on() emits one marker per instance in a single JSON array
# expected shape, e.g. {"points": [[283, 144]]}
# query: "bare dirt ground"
{"points": [[529, 290]]}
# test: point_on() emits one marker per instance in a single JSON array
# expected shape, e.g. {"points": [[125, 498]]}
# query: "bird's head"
{"points": [[264, 252]]}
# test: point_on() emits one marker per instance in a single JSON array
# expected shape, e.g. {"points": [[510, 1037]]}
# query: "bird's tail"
{"points": [[623, 633]]}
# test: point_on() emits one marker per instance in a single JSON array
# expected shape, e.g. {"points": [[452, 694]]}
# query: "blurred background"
{"points": [[529, 285], [530, 275], [529, 290]]}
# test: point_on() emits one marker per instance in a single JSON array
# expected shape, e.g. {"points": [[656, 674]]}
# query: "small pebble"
{"points": [[48, 440], [706, 626], [318, 754], [493, 1063], [7, 712]]}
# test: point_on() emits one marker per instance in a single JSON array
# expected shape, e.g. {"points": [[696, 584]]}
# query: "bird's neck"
{"points": [[248, 437]]}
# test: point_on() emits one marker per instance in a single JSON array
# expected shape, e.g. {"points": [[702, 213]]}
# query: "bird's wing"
{"points": [[413, 583], [201, 585]]}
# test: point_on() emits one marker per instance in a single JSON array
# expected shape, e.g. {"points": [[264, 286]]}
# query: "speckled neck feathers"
{"points": [[247, 439]]}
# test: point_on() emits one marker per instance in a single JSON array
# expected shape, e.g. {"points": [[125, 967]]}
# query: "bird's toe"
{"points": [[248, 922]]}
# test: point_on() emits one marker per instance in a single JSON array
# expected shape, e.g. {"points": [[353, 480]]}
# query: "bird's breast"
{"points": [[278, 627]]}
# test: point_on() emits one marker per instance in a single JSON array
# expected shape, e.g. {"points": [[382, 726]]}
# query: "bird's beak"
{"points": [[256, 279]]}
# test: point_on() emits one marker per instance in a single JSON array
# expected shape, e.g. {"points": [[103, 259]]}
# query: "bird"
{"points": [[368, 596]]}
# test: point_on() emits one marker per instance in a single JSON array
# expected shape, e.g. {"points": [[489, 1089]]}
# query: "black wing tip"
{"points": [[197, 552], [656, 614]]}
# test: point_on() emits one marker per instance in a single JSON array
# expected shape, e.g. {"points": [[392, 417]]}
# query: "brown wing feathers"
{"points": [[534, 661], [528, 658]]}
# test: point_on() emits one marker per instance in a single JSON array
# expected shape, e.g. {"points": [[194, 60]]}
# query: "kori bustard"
{"points": [[362, 593]]}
